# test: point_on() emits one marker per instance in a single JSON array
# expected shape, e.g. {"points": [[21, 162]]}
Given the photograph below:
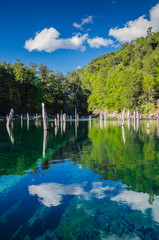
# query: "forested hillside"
{"points": [[25, 88], [128, 78]]}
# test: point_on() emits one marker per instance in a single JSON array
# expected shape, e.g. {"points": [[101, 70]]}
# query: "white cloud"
{"points": [[79, 67], [76, 25], [98, 42], [138, 27], [139, 201], [84, 21], [52, 194], [48, 40], [154, 16]]}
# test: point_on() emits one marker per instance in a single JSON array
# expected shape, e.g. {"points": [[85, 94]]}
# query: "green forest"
{"points": [[127, 78]]}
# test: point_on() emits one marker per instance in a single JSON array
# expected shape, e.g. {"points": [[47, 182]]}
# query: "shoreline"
{"points": [[94, 116]]}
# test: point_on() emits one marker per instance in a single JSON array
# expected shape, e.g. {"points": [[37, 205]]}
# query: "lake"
{"points": [[82, 181]]}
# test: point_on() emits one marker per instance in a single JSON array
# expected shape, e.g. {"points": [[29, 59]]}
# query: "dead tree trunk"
{"points": [[10, 117], [45, 118], [123, 117]]}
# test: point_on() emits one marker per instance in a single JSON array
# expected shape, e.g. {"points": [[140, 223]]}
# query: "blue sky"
{"points": [[67, 34]]}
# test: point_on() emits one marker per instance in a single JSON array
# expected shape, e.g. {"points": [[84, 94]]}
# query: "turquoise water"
{"points": [[81, 181]]}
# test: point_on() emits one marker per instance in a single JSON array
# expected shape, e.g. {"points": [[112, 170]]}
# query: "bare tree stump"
{"points": [[128, 116], [123, 117], [90, 117], [10, 117], [27, 116], [45, 118]]}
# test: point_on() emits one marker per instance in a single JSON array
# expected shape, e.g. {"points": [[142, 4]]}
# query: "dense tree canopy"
{"points": [[25, 88], [127, 78]]}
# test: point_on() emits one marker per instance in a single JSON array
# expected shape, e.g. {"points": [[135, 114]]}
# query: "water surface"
{"points": [[82, 181]]}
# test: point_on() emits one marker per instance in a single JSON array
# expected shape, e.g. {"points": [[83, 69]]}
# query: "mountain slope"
{"points": [[128, 78]]}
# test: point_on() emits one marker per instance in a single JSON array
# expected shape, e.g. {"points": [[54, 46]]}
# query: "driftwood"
{"points": [[10, 117], [45, 118]]}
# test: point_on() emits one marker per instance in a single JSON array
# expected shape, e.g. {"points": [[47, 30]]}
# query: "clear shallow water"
{"points": [[82, 182]]}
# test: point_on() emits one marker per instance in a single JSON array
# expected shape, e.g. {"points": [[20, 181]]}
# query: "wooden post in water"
{"points": [[76, 128], [64, 127], [10, 133], [105, 116], [58, 120], [134, 115], [36, 120], [10, 117], [148, 128], [61, 116], [45, 118], [101, 120], [138, 119], [90, 117], [61, 129], [137, 115], [27, 116], [70, 119], [21, 121], [128, 116], [56, 130], [123, 133], [123, 117], [45, 133], [64, 118], [101, 117], [55, 122], [75, 114]]}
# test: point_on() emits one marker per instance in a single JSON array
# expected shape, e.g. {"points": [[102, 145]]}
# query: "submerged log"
{"points": [[10, 117], [45, 118]]}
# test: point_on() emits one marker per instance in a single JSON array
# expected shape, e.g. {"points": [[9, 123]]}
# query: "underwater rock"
{"points": [[48, 235]]}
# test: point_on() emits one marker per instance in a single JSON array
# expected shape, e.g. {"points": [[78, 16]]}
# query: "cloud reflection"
{"points": [[139, 201], [52, 194], [99, 191]]}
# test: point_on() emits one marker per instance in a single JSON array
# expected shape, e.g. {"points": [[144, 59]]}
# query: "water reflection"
{"points": [[139, 201], [10, 133], [45, 135], [52, 194], [85, 182]]}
